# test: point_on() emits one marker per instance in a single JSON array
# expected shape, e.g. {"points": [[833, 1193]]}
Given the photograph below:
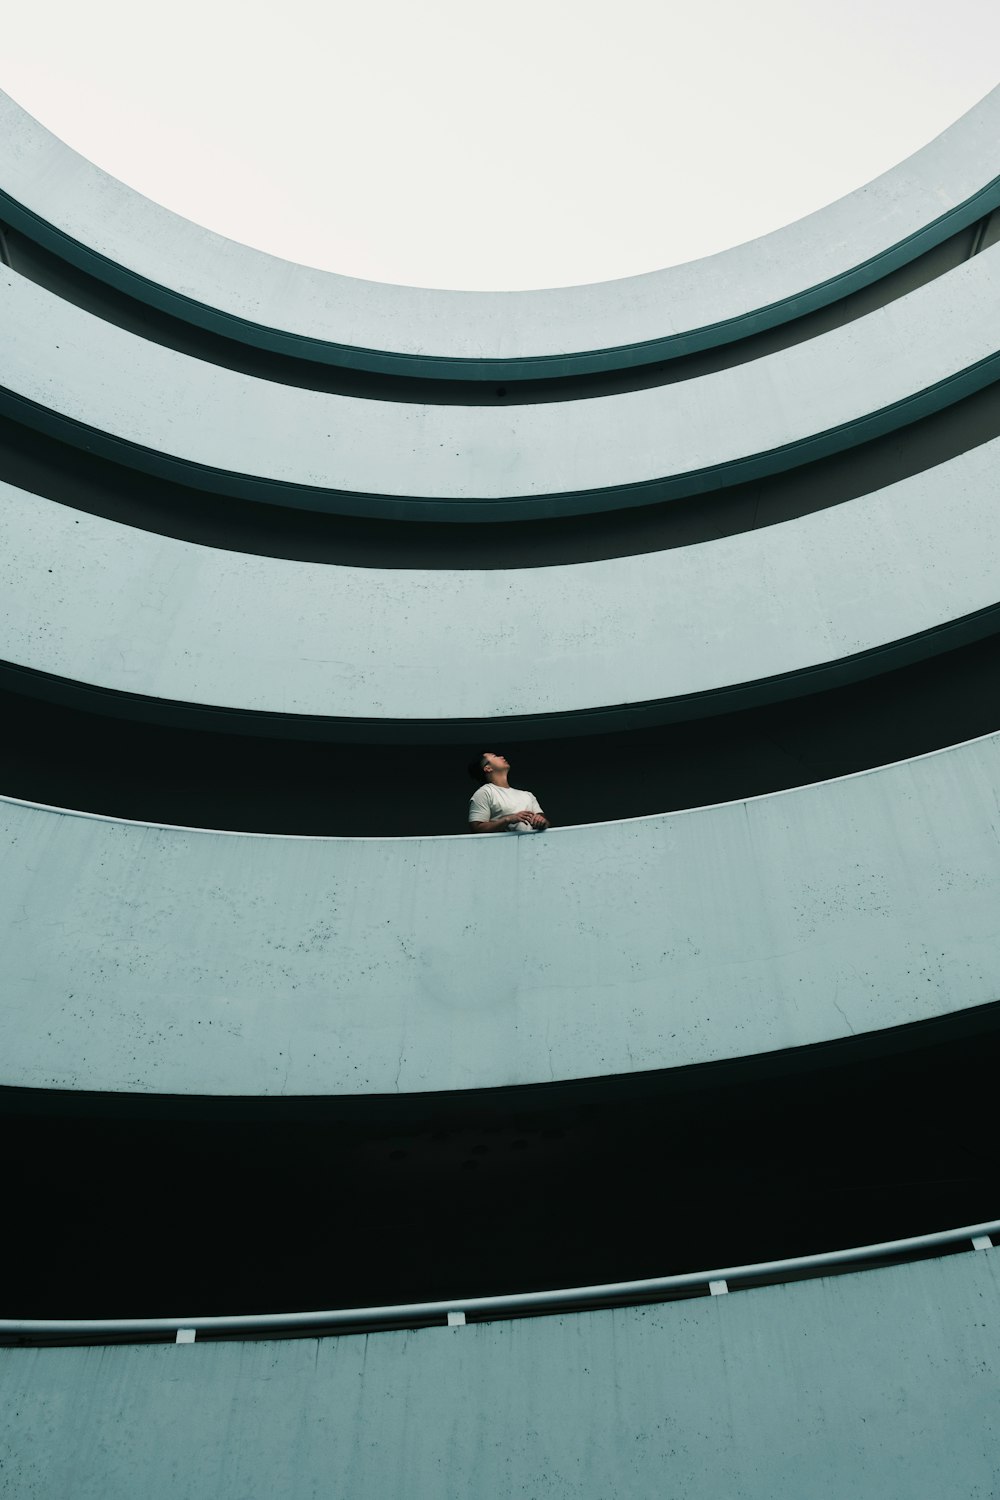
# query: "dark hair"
{"points": [[475, 767]]}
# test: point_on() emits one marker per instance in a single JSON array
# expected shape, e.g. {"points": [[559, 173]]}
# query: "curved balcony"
{"points": [[870, 583], [179, 962], [880, 1382], [488, 1049], [150, 761], [87, 482], [98, 224], [106, 390]]}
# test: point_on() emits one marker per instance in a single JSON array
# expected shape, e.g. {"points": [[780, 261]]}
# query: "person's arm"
{"points": [[498, 825], [537, 818]]}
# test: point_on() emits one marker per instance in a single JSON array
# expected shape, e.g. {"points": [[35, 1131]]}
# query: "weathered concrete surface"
{"points": [[67, 191], [90, 600], [165, 960], [884, 1385], [73, 363]]}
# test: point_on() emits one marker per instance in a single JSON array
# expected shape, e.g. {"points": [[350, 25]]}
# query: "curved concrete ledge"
{"points": [[87, 217], [225, 430], [95, 385], [877, 1383], [97, 603], [164, 960]]}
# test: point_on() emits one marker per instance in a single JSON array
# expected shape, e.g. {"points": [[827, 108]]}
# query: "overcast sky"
{"points": [[534, 143]]}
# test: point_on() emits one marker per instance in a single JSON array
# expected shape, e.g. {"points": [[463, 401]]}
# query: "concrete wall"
{"points": [[461, 457], [88, 599], [172, 961], [161, 960], [883, 1385], [64, 190]]}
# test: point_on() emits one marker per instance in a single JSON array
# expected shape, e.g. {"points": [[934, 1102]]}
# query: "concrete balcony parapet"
{"points": [[99, 603], [85, 381], [168, 960]]}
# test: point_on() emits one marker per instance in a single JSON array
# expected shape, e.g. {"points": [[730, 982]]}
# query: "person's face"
{"points": [[493, 762]]}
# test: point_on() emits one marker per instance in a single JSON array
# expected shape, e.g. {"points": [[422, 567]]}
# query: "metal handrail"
{"points": [[511, 1303]]}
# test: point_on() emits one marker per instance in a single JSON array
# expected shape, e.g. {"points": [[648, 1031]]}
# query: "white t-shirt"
{"points": [[491, 802]]}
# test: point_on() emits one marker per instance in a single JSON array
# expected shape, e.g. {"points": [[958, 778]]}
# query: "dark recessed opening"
{"points": [[197, 1206], [161, 773]]}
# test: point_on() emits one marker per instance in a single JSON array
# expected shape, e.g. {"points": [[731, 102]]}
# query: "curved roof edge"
{"points": [[86, 217]]}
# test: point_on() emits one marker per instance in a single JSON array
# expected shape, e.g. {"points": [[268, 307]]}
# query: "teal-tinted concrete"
{"points": [[97, 602], [883, 1385], [842, 387], [180, 266], [177, 961]]}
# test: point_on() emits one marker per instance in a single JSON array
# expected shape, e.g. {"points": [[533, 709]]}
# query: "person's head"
{"points": [[487, 766]]}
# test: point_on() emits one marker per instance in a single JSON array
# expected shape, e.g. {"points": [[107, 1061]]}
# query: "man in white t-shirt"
{"points": [[498, 807]]}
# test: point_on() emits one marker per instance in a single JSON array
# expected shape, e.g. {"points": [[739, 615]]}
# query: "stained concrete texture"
{"points": [[80, 200], [97, 602], [180, 961], [548, 459], [884, 1385]]}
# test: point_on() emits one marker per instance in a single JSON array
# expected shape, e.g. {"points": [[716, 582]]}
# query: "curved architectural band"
{"points": [[94, 222], [168, 414], [847, 907], [132, 612]]}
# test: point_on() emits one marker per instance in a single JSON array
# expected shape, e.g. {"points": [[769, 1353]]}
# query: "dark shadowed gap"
{"points": [[157, 773], [138, 1205]]}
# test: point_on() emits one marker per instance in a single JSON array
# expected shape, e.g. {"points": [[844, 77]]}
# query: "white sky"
{"points": [[533, 143]]}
